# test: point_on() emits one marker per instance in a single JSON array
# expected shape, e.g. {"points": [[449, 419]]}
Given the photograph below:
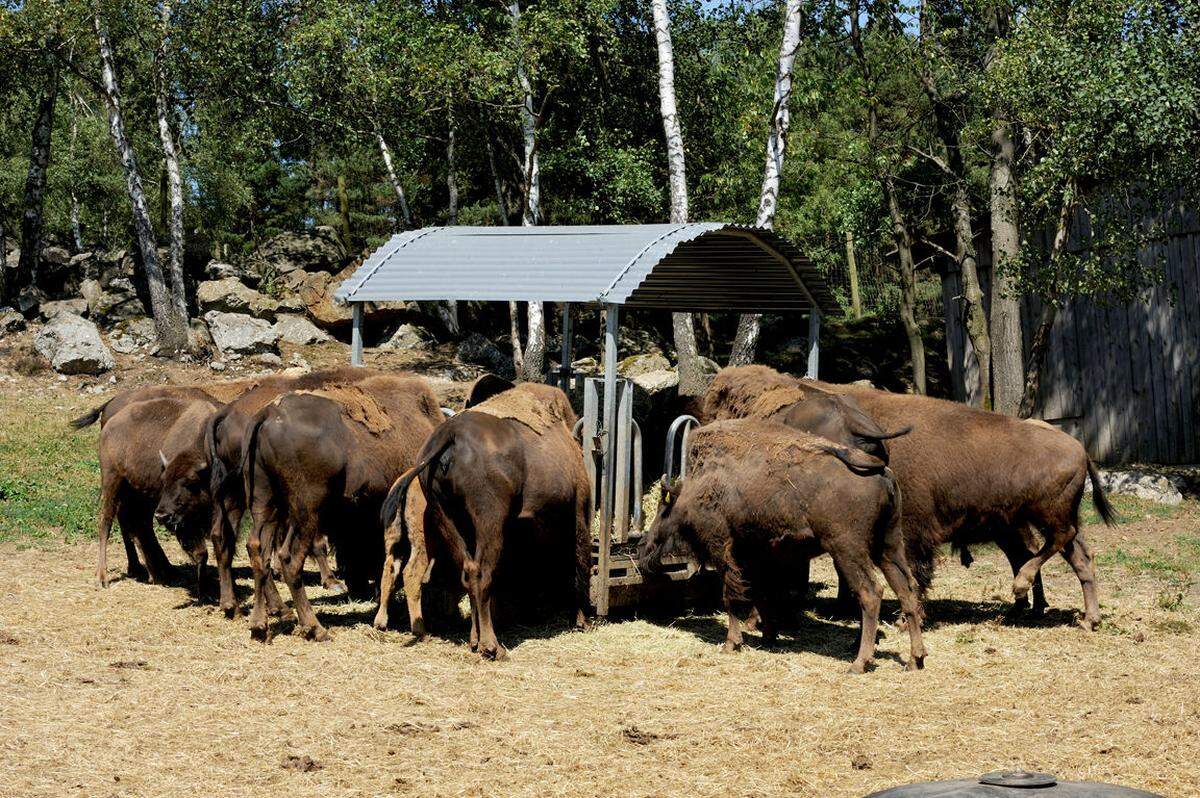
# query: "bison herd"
{"points": [[494, 501]]}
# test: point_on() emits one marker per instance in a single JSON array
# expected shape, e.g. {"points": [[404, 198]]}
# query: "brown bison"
{"points": [[758, 489], [761, 392], [320, 462], [138, 444], [505, 491], [970, 476], [224, 442]]}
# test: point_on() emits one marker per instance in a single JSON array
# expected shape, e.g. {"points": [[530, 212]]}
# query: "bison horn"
{"points": [[162, 457]]}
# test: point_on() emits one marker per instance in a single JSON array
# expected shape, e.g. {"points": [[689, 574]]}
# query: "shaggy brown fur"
{"points": [[759, 487], [225, 437], [970, 476], [137, 444], [501, 496], [761, 392], [312, 468]]}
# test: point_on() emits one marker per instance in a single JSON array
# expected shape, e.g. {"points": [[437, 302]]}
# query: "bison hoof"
{"points": [[380, 623], [231, 610], [1089, 624], [317, 634], [497, 654], [336, 587], [915, 664], [260, 633], [729, 647], [417, 627], [858, 666]]}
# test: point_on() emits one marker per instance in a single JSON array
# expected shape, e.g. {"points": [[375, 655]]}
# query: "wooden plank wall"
{"points": [[1125, 378]]}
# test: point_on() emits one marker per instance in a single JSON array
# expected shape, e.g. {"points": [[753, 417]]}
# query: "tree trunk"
{"points": [[501, 206], [343, 200], [164, 103], [1007, 362], [691, 382], [1041, 338], [746, 341], [852, 270], [386, 152], [514, 334], [76, 227], [451, 181], [535, 346], [170, 326], [908, 285], [35, 188]]}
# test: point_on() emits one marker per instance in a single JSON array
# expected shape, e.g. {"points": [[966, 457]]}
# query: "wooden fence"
{"points": [[1123, 378]]}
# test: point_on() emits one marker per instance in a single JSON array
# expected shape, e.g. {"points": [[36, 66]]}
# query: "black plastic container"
{"points": [[1012, 784]]}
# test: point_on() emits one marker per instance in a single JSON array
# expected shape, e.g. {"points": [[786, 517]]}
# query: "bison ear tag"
{"points": [[1017, 778]]}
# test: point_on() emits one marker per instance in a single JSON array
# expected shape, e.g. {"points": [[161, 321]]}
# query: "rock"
{"points": [[11, 321], [118, 302], [586, 365], [217, 365], [1142, 484], [298, 330], [408, 336], [72, 344], [29, 299], [480, 351], [656, 382], [55, 256], [638, 339], [298, 362], [49, 310], [129, 336], [199, 339], [267, 359], [239, 334], [112, 265], [636, 365], [318, 250], [316, 295], [220, 270], [230, 296]]}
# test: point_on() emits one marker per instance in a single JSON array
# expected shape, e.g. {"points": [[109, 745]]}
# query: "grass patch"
{"points": [[49, 474], [1130, 509]]}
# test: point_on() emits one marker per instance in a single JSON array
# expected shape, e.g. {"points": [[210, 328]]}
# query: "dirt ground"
{"points": [[137, 691]]}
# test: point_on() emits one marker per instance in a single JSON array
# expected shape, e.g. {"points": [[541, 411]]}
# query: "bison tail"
{"points": [[857, 461], [1099, 498], [249, 455], [89, 418], [397, 496], [216, 471]]}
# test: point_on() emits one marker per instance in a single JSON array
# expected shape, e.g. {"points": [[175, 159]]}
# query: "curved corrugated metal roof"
{"points": [[702, 266]]}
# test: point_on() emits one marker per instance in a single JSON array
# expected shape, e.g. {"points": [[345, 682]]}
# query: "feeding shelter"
{"points": [[699, 267]]}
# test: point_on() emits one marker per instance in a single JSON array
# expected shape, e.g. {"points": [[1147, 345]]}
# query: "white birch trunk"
{"points": [[32, 218], [401, 200], [746, 341], [690, 379], [171, 157], [535, 346], [172, 335]]}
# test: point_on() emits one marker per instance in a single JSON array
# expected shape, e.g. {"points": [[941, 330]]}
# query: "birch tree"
{"points": [[164, 103], [746, 341], [683, 328], [168, 323], [35, 182]]}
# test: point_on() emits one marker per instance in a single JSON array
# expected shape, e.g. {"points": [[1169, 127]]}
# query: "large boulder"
{"points": [[72, 344], [636, 365], [317, 250], [11, 321], [29, 299], [230, 296], [220, 270], [300, 331], [239, 334], [129, 336], [480, 351], [77, 306], [118, 302], [408, 336], [316, 294]]}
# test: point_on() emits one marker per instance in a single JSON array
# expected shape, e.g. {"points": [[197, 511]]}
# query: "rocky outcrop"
{"points": [[49, 310], [1144, 484], [11, 321], [128, 337], [239, 334], [314, 251], [480, 351], [116, 302], [316, 294], [408, 336], [230, 296], [72, 344], [220, 270], [298, 330]]}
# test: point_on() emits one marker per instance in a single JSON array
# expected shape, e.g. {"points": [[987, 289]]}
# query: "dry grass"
{"points": [[136, 691]]}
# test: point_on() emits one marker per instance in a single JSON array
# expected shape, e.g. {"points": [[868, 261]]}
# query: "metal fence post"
{"points": [[609, 461], [814, 342], [356, 339]]}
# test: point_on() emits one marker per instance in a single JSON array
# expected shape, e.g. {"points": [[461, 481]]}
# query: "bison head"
{"points": [[663, 533], [185, 498], [841, 420]]}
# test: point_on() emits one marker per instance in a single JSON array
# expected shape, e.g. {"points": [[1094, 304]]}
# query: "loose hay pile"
{"points": [[632, 708]]}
